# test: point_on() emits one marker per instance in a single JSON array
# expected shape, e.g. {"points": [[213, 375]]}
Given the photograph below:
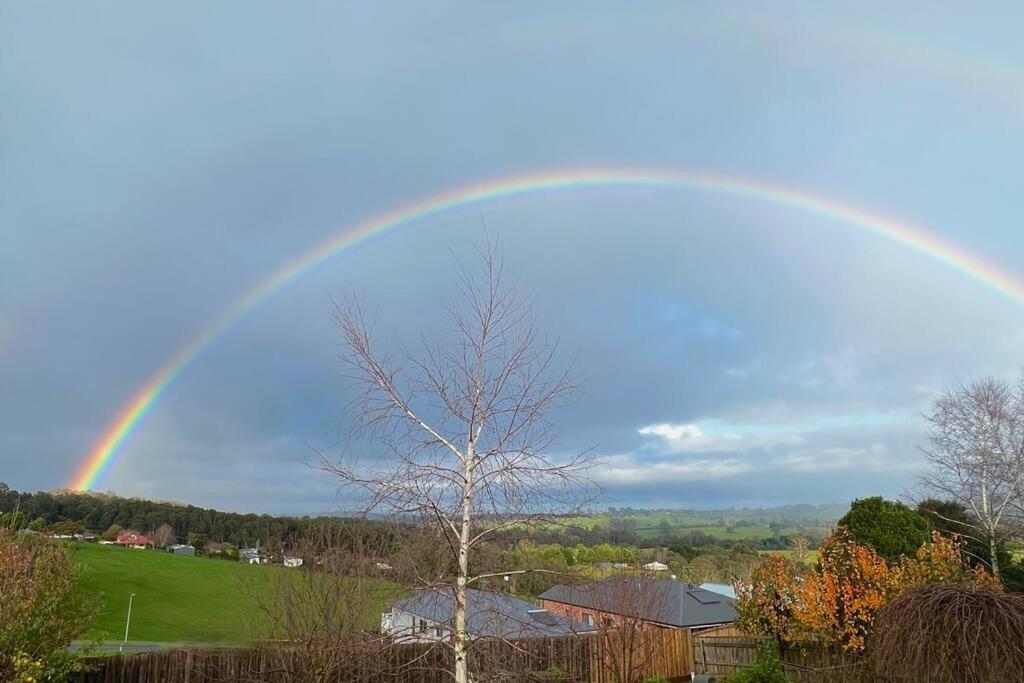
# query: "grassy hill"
{"points": [[648, 524], [177, 599]]}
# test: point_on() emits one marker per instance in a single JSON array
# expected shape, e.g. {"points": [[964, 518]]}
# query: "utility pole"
{"points": [[127, 622]]}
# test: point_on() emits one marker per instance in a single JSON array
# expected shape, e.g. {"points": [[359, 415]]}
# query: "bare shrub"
{"points": [[319, 615], [946, 634]]}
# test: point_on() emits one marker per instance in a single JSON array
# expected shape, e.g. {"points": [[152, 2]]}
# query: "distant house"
{"points": [[253, 556], [179, 549], [430, 616], [664, 603], [608, 566], [292, 561], [29, 532], [132, 539], [656, 566]]}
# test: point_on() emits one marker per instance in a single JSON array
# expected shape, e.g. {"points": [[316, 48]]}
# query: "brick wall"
{"points": [[598, 618]]}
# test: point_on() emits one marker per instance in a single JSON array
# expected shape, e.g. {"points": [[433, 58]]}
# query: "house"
{"points": [[656, 566], [179, 549], [663, 603], [132, 539], [292, 561], [430, 616], [253, 556]]}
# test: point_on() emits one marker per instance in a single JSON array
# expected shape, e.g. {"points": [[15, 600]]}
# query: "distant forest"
{"points": [[96, 512], [622, 526]]}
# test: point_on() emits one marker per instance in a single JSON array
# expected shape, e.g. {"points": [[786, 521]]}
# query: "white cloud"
{"points": [[689, 438], [692, 438], [626, 469]]}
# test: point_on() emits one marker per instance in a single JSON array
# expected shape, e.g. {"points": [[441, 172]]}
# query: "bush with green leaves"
{"points": [[41, 610], [889, 528], [767, 669]]}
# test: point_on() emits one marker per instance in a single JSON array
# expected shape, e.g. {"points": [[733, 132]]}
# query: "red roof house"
{"points": [[132, 538]]}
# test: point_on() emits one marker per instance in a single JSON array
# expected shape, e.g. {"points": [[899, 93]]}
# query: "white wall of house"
{"points": [[409, 628]]}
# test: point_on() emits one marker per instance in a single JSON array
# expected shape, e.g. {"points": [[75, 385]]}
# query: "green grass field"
{"points": [[177, 599]]}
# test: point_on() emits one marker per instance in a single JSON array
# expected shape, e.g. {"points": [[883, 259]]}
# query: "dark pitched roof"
{"points": [[665, 601], [490, 614]]}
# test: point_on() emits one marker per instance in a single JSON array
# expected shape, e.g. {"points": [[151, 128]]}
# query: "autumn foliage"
{"points": [[766, 604], [838, 601]]}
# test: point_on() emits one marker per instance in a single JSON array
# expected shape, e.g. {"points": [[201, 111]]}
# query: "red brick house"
{"points": [[132, 539], [645, 600]]}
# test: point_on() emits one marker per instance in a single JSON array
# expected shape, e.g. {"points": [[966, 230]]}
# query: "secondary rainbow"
{"points": [[104, 451]]}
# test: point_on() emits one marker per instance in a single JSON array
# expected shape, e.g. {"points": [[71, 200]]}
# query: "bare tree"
{"points": [[320, 612], [800, 545], [462, 430], [163, 536], [977, 458]]}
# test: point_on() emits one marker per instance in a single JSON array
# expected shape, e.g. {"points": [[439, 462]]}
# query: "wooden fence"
{"points": [[722, 656], [579, 659]]}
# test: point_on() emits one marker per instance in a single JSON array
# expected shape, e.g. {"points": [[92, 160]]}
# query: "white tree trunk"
{"points": [[991, 524], [461, 641]]}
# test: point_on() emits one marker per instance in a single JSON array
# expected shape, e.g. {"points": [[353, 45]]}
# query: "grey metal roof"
{"points": [[665, 601], [493, 615]]}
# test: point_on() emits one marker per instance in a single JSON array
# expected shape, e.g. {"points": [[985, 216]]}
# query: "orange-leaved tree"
{"points": [[942, 560], [766, 602], [838, 602]]}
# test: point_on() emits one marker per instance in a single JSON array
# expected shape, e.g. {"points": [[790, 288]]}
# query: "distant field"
{"points": [[177, 599], [739, 533], [648, 525]]}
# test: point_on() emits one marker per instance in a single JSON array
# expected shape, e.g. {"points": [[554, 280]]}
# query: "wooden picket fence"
{"points": [[579, 659], [725, 655]]}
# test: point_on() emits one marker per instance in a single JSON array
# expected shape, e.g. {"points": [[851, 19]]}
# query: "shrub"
{"points": [[891, 529], [41, 610], [951, 633], [767, 669]]}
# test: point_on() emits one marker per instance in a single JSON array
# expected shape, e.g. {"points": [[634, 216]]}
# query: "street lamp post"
{"points": [[127, 622]]}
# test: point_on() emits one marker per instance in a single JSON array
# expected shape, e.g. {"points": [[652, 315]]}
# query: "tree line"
{"points": [[98, 512]]}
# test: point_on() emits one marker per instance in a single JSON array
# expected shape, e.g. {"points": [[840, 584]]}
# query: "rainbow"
{"points": [[104, 451]]}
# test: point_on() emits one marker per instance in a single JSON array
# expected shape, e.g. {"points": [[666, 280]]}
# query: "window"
{"points": [[608, 622], [423, 625], [439, 632], [587, 619]]}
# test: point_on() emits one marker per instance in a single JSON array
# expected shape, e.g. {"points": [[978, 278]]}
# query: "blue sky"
{"points": [[158, 162]]}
